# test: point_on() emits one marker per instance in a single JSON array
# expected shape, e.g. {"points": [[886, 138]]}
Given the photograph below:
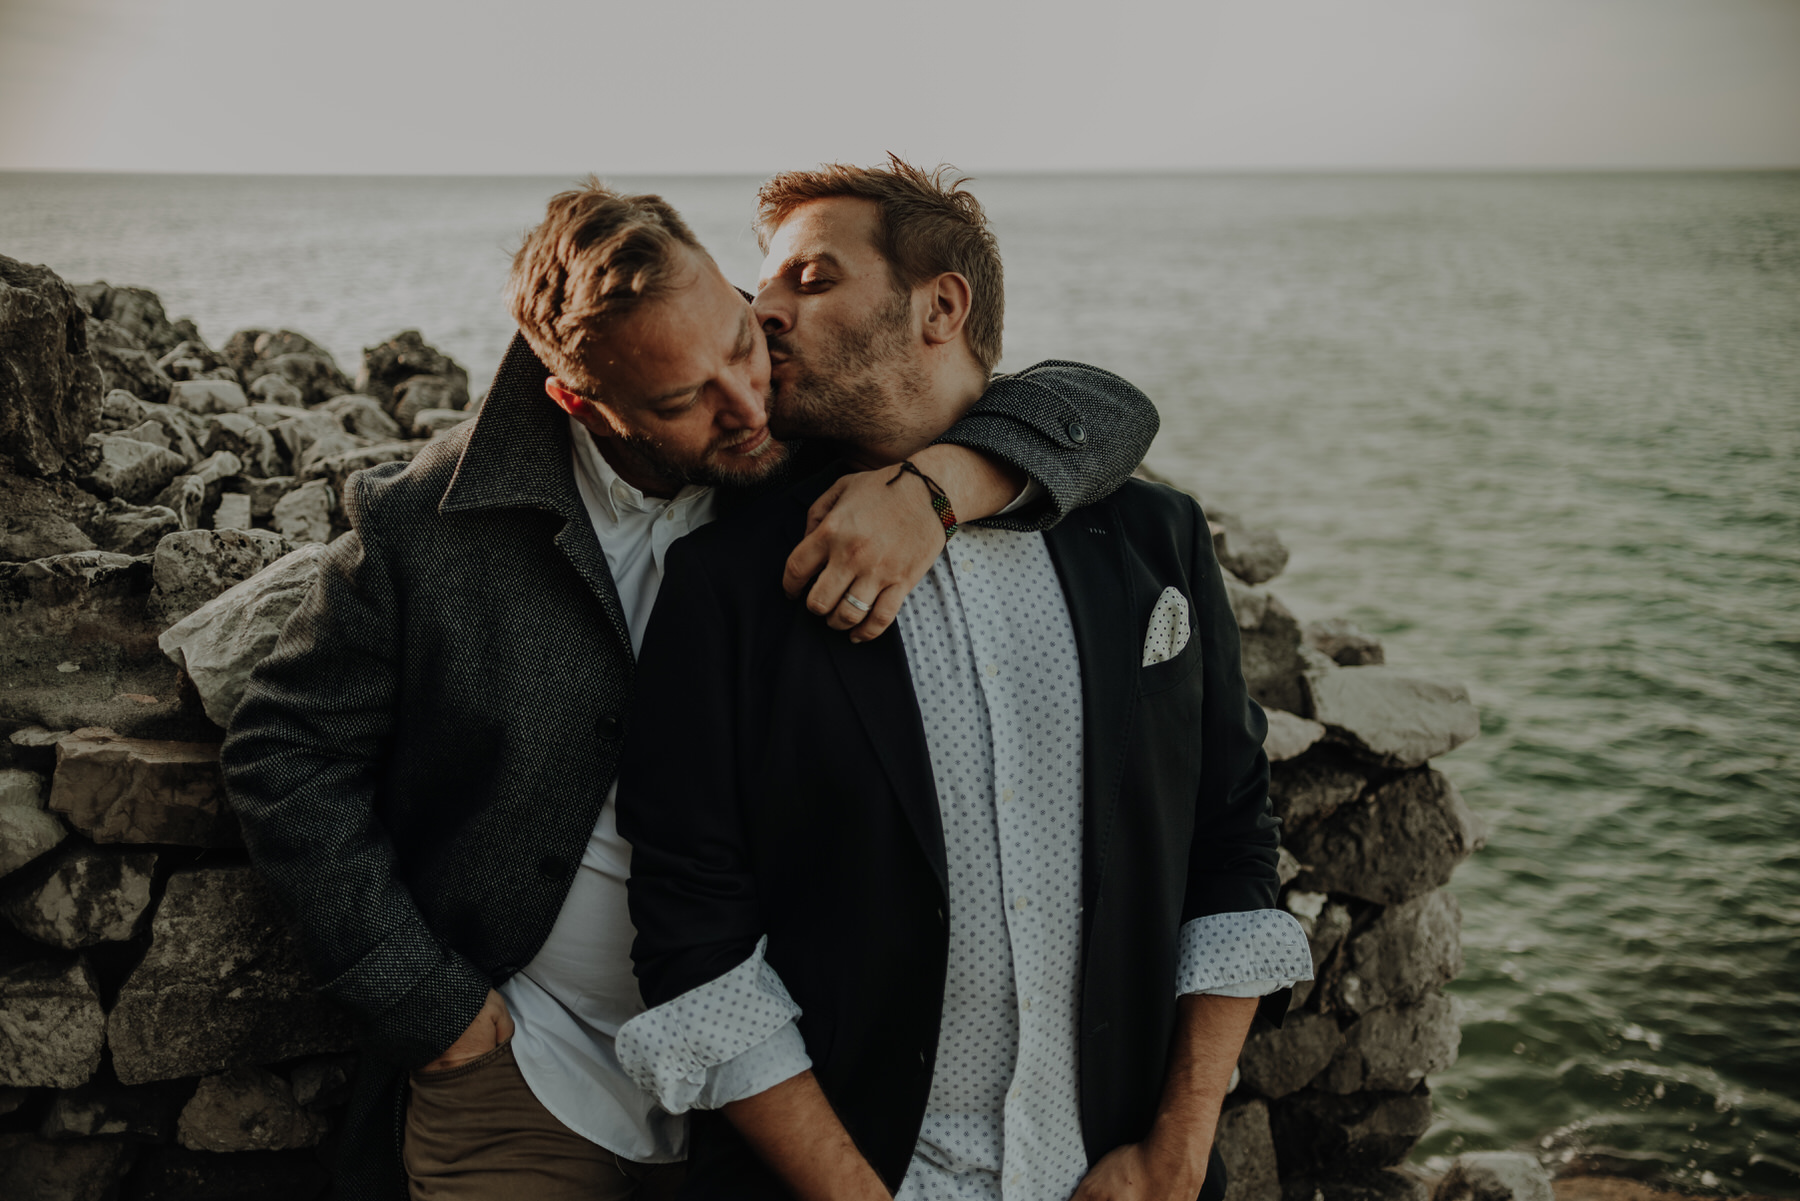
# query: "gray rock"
{"points": [[1396, 720], [247, 1109], [1244, 1143], [81, 896], [275, 390], [208, 396], [249, 440], [1402, 841], [190, 495], [193, 566], [40, 518], [220, 643], [39, 536], [1344, 643], [1494, 1176], [148, 431], [1404, 955], [297, 435], [1269, 647], [1326, 923], [194, 359], [339, 467], [222, 984], [129, 469], [125, 363], [24, 789], [1324, 1134], [315, 376], [50, 384], [429, 423], [304, 515], [25, 834], [323, 1081], [1289, 736], [364, 415], [146, 1113], [233, 512], [271, 415], [1312, 788], [130, 529], [136, 310], [400, 358], [1275, 1062], [51, 1025], [32, 1169], [1286, 866], [1254, 556], [1393, 1049], [135, 790], [121, 411], [244, 349], [422, 394], [1357, 1184], [265, 494], [329, 445]]}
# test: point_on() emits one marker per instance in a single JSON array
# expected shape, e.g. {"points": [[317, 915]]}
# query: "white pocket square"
{"points": [[1168, 631]]}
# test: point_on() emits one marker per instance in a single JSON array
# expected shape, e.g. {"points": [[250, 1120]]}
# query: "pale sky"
{"points": [[565, 86]]}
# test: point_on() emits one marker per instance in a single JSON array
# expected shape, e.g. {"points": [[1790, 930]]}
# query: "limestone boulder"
{"points": [[126, 468], [364, 416], [233, 512], [23, 789], [193, 494], [1345, 644], [429, 423], [129, 529], [207, 396], [1315, 787], [136, 790], [121, 411], [81, 896], [248, 347], [103, 1109], [148, 431], [1289, 736], [27, 833], [1245, 1144], [139, 311], [422, 394], [1326, 1134], [253, 444], [1327, 923], [1269, 648], [386, 366], [125, 363], [35, 1169], [1254, 556], [1394, 1048], [23, 538], [193, 566], [323, 1081], [220, 643], [298, 435], [1494, 1176], [271, 415], [1276, 1062], [51, 1026], [340, 443], [50, 382], [274, 391], [336, 469], [40, 518], [194, 359], [222, 984], [1400, 842], [304, 515], [264, 494], [1403, 956], [315, 376], [247, 1109], [1393, 719]]}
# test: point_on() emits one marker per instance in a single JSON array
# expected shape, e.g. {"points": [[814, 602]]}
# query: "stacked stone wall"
{"points": [[165, 510]]}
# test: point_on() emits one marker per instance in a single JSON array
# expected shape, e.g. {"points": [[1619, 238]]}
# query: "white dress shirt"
{"points": [[994, 664]]}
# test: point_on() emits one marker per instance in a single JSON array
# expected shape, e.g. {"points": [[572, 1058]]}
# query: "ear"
{"points": [[947, 308], [569, 402]]}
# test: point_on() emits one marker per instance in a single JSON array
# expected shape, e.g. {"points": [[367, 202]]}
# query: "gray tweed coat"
{"points": [[420, 761]]}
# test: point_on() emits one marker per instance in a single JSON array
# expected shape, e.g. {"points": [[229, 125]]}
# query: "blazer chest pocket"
{"points": [[1159, 677]]}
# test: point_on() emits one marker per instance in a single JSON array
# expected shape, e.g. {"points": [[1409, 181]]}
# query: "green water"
{"points": [[1539, 433]]}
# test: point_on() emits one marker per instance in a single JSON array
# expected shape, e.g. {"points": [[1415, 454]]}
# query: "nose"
{"points": [[773, 312], [745, 405]]}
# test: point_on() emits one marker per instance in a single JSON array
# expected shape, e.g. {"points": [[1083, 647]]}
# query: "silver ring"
{"points": [[855, 604]]}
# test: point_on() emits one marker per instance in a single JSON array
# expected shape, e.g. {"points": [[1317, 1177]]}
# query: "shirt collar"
{"points": [[608, 489]]}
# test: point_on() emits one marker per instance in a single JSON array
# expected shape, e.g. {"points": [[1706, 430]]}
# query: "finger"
{"points": [[826, 502], [829, 588], [881, 615], [803, 564], [846, 615]]}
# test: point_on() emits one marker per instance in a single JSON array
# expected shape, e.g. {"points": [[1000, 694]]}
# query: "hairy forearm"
{"points": [[794, 1129], [978, 485], [1209, 1036]]}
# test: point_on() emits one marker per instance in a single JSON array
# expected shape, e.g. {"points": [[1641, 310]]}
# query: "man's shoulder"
{"points": [[1142, 504], [754, 531], [407, 489]]}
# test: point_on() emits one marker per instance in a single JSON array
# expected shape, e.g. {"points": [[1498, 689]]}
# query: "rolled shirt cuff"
{"points": [[1248, 954], [676, 1050]]}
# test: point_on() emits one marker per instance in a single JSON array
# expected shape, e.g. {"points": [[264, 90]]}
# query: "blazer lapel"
{"points": [[880, 687], [1090, 558], [519, 458]]}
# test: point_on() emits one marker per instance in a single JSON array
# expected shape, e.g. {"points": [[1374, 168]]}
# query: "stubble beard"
{"points": [[858, 388], [705, 469]]}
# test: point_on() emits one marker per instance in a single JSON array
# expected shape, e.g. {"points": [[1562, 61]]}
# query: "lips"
{"points": [[751, 446]]}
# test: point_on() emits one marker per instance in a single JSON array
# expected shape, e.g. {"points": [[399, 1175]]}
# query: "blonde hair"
{"points": [[927, 225], [597, 255]]}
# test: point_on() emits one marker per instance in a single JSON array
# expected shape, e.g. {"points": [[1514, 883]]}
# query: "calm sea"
{"points": [[1540, 433]]}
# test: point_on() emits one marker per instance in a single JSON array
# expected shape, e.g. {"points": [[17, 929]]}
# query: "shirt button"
{"points": [[968, 565], [671, 515], [1027, 1003], [1007, 795], [993, 669], [1020, 903]]}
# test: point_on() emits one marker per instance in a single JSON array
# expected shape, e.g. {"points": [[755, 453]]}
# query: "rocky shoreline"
{"points": [[165, 508]]}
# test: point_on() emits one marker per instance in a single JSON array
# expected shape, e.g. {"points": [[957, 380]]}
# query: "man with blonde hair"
{"points": [[984, 910], [425, 765]]}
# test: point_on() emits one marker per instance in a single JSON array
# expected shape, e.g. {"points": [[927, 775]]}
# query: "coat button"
{"points": [[550, 867], [1077, 432], [607, 726]]}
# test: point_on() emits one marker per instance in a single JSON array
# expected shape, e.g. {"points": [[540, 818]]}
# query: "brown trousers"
{"points": [[476, 1133]]}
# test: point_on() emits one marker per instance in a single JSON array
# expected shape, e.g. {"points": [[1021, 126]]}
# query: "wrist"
{"points": [[978, 486], [1182, 1147]]}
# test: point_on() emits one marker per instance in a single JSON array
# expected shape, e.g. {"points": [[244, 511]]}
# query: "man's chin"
{"points": [[732, 469]]}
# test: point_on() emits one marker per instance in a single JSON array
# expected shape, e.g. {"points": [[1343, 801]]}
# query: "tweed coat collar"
{"points": [[518, 457]]}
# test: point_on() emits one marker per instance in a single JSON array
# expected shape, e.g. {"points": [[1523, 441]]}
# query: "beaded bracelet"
{"points": [[940, 501]]}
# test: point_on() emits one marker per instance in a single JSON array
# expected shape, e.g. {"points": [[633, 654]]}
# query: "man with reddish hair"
{"points": [[981, 911], [425, 765]]}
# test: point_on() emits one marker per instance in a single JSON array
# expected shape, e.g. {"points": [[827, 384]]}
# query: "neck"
{"points": [[632, 467], [952, 386]]}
